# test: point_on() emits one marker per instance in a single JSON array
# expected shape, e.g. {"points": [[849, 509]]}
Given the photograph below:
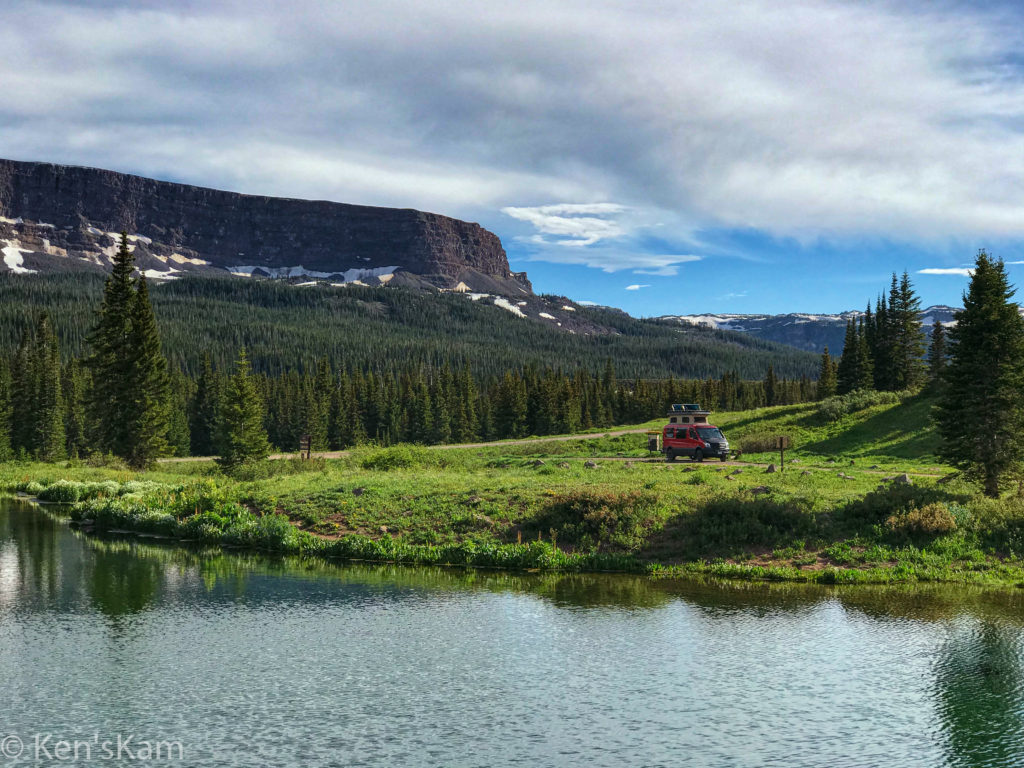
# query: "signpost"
{"points": [[306, 447]]}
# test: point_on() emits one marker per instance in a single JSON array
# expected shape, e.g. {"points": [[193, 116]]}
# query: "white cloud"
{"points": [[636, 287], [1013, 262], [586, 303], [959, 271], [568, 222], [888, 118]]}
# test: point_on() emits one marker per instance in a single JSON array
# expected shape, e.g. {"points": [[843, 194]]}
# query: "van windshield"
{"points": [[710, 433]]}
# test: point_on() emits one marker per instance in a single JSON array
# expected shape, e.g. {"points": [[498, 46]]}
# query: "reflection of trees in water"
{"points": [[36, 539], [119, 583], [978, 694]]}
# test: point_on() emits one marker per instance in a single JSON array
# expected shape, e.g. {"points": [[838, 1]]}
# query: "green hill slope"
{"points": [[286, 326]]}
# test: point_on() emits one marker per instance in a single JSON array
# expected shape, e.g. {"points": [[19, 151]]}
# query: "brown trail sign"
{"points": [[306, 447]]}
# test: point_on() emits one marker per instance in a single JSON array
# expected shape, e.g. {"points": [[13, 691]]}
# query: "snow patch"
{"points": [[500, 301], [353, 275], [177, 258], [156, 274], [461, 288], [385, 279], [478, 296], [567, 308], [14, 260], [546, 316]]}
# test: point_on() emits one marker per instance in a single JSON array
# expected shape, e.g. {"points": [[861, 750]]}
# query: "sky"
{"points": [[666, 158]]}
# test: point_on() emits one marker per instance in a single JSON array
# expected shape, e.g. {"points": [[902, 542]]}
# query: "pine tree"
{"points": [[848, 373], [243, 438], [981, 415], [908, 338], [865, 375], [205, 410], [826, 376], [147, 385], [770, 386], [5, 412], [24, 387], [76, 427], [48, 408], [112, 401], [937, 357]]}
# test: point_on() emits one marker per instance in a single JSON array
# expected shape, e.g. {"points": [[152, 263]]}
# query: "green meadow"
{"points": [[862, 498]]}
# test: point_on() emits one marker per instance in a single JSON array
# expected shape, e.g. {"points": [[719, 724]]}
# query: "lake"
{"points": [[249, 660]]}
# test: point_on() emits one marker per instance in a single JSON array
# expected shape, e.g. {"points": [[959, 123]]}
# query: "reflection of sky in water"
{"points": [[255, 661]]}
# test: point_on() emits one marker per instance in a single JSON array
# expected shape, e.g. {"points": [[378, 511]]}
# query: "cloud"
{"points": [[894, 119], [1013, 262], [636, 287], [586, 303], [568, 223], [959, 271], [736, 295]]}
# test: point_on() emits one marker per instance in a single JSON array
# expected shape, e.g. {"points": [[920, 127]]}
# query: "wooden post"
{"points": [[782, 454], [306, 447]]}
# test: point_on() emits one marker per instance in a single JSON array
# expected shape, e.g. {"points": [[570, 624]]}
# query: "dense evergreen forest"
{"points": [[384, 330], [120, 396]]}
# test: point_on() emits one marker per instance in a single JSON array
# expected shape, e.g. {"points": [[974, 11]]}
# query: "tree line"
{"points": [[884, 349], [123, 398]]}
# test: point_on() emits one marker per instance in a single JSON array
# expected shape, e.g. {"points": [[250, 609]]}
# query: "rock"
{"points": [[805, 473], [358, 491], [628, 465], [874, 466], [227, 229], [737, 471], [689, 469], [538, 463], [831, 461], [729, 477], [903, 479], [794, 461], [474, 500], [771, 468], [563, 465], [761, 489], [383, 529], [590, 464]]}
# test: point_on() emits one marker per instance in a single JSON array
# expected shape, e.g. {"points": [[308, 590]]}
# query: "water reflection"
{"points": [[729, 673]]}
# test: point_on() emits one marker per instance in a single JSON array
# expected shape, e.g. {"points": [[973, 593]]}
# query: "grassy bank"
{"points": [[540, 505]]}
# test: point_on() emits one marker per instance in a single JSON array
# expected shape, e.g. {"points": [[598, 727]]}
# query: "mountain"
{"points": [[801, 330], [58, 218]]}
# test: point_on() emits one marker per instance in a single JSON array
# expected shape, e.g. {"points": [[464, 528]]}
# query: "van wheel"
{"points": [[724, 458], [670, 455], [698, 455]]}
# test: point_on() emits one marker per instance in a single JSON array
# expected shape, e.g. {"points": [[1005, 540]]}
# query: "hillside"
{"points": [[58, 218], [286, 326]]}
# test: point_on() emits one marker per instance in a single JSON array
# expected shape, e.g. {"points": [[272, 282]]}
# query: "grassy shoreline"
{"points": [[839, 514]]}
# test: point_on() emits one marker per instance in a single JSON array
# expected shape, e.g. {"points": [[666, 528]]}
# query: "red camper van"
{"points": [[688, 433]]}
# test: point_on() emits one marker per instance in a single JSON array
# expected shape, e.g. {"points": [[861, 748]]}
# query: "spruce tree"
{"points": [[981, 414], [205, 410], [147, 385], [937, 358], [770, 387], [112, 401], [826, 376], [908, 338], [847, 373], [865, 376], [243, 438], [5, 412], [48, 408]]}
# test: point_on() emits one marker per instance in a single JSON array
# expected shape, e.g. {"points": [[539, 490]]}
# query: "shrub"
{"points": [[834, 408], [930, 520], [61, 492], [762, 442], [732, 522], [401, 457], [595, 520]]}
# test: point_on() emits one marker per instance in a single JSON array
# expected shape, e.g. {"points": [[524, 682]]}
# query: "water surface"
{"points": [[249, 660]]}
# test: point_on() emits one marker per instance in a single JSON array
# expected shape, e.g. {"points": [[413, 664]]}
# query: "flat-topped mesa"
{"points": [[57, 217]]}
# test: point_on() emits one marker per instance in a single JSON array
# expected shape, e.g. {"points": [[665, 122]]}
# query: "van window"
{"points": [[670, 432]]}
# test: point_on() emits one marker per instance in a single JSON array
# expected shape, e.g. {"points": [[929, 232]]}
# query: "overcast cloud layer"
{"points": [[592, 125]]}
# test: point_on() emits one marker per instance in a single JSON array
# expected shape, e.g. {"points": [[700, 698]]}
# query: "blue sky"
{"points": [[661, 157]]}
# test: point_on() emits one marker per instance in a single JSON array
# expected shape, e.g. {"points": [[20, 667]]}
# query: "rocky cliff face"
{"points": [[66, 217]]}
